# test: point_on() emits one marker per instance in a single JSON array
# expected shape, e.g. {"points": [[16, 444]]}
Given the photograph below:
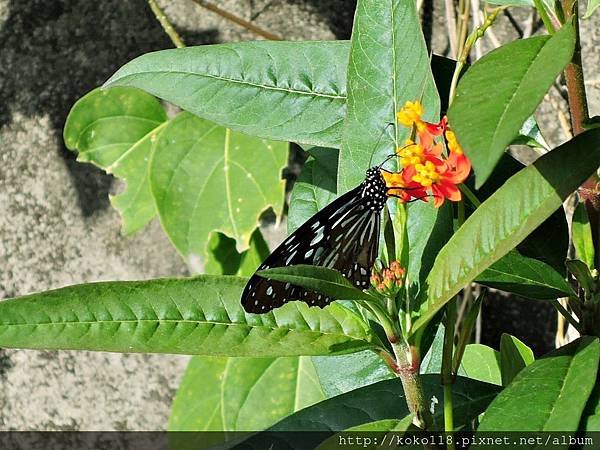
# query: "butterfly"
{"points": [[343, 236]]}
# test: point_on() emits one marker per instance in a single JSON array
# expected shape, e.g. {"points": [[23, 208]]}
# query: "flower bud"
{"points": [[388, 280]]}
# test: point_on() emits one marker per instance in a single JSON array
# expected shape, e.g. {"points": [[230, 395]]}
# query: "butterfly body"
{"points": [[343, 236]]}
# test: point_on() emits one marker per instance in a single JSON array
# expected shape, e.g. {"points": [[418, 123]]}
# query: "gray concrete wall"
{"points": [[56, 225]]}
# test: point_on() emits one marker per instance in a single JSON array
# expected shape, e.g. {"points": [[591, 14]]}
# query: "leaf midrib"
{"points": [[233, 80], [519, 277], [207, 322]]}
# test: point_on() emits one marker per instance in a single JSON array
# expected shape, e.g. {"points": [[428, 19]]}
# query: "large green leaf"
{"points": [[548, 395], [508, 216], [213, 179], [243, 394], [276, 90], [321, 279], [385, 400], [550, 241], [199, 315], [344, 373], [514, 357], [315, 187], [389, 64], [525, 276], [501, 91], [376, 402], [291, 91], [114, 129]]}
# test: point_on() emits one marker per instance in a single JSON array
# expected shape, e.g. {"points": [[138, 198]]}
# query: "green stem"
{"points": [[567, 316], [477, 34], [470, 195], [383, 319], [408, 372], [447, 375], [165, 24], [541, 9], [448, 413]]}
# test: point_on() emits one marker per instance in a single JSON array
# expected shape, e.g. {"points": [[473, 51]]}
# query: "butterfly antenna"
{"points": [[377, 143]]}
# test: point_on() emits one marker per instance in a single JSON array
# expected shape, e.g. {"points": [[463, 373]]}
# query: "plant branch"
{"points": [[575, 83], [451, 25], [408, 370], [447, 375], [238, 20], [477, 34], [165, 24], [541, 9]]}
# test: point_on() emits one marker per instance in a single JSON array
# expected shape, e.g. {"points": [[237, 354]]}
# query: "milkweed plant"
{"points": [[393, 353]]}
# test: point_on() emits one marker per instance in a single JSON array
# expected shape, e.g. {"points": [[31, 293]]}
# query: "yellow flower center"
{"points": [[426, 174], [410, 154], [411, 114], [453, 144]]}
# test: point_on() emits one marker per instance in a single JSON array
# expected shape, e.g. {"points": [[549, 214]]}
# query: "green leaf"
{"points": [[385, 425], [385, 400], [389, 64], [238, 84], [592, 5], [590, 420], [277, 90], [525, 276], [507, 217], [479, 362], [114, 129], [315, 187], [549, 394], [321, 279], [220, 393], [243, 394], [550, 241], [428, 229], [482, 363], [501, 91], [432, 362], [370, 441], [255, 255], [582, 236], [582, 274], [531, 135], [514, 356], [223, 258], [206, 178], [468, 324], [201, 316], [344, 373]]}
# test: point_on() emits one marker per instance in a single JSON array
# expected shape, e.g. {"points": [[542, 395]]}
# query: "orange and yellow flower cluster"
{"points": [[428, 168], [388, 280]]}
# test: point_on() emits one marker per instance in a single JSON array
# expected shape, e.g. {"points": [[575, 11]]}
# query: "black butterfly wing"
{"points": [[344, 236]]}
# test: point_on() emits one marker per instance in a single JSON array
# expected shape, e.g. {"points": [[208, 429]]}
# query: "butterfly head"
{"points": [[374, 189]]}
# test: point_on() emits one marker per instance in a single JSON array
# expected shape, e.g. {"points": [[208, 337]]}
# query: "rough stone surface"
{"points": [[56, 224]]}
